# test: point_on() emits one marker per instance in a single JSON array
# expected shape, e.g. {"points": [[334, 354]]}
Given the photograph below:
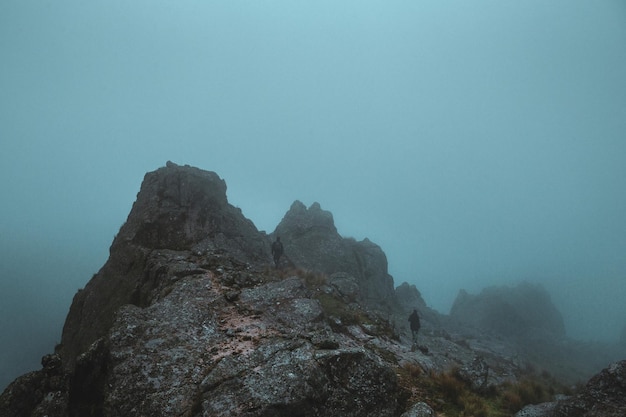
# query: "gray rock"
{"points": [[178, 208], [603, 396], [476, 374], [536, 410], [419, 410], [312, 243], [346, 285]]}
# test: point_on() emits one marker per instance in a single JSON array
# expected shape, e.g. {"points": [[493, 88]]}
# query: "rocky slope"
{"points": [[188, 318], [603, 396]]}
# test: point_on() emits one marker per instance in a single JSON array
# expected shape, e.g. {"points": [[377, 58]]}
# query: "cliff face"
{"points": [[312, 242], [188, 317], [178, 208]]}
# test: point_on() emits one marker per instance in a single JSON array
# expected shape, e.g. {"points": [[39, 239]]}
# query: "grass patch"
{"points": [[447, 393]]}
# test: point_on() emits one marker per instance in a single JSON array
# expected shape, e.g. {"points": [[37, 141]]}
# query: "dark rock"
{"points": [[232, 295], [179, 209], [312, 243], [86, 394], [39, 393], [346, 285], [603, 396], [22, 395], [409, 297]]}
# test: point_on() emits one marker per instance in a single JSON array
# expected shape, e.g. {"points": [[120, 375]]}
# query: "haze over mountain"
{"points": [[190, 316], [477, 145]]}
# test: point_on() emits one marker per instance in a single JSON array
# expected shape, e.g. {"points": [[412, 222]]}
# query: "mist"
{"points": [[478, 144]]}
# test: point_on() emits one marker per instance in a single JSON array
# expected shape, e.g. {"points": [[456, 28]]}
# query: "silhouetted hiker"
{"points": [[414, 319], [277, 250]]}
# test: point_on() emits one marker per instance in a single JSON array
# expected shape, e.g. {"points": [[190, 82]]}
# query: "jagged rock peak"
{"points": [[603, 396], [301, 219], [312, 242], [178, 208]]}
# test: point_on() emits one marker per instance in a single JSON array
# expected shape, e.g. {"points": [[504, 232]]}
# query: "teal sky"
{"points": [[478, 143]]}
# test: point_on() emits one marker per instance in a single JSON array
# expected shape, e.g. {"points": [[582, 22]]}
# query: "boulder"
{"points": [[409, 297]]}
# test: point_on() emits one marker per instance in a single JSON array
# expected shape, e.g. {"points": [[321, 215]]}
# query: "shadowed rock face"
{"points": [[311, 242], [178, 208]]}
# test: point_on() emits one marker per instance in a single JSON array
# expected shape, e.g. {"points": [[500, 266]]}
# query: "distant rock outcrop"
{"points": [[312, 242], [511, 312]]}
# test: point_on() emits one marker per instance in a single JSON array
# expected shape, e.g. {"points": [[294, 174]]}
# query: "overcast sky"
{"points": [[478, 143]]}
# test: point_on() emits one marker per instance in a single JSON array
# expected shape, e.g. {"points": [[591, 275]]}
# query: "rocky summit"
{"points": [[189, 317]]}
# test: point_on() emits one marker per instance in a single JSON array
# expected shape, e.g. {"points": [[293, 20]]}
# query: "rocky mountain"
{"points": [[189, 317], [525, 317]]}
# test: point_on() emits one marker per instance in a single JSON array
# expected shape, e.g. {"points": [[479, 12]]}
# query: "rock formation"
{"points": [[603, 396], [515, 312], [177, 209], [189, 317], [312, 242], [186, 318], [408, 298]]}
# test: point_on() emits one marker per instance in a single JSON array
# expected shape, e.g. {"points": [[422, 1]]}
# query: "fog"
{"points": [[478, 143]]}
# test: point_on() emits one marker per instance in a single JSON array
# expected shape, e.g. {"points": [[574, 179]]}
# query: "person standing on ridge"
{"points": [[414, 319], [277, 250]]}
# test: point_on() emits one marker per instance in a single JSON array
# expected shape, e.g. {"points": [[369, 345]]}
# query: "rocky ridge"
{"points": [[187, 318]]}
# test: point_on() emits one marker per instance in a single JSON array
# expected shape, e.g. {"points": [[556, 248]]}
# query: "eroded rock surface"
{"points": [[312, 242]]}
